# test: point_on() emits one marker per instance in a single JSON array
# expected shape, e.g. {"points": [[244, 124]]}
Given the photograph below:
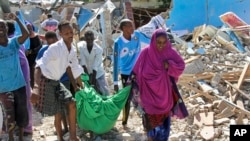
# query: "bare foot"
{"points": [[125, 127], [75, 139]]}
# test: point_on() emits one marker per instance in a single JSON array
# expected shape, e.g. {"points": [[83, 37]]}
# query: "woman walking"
{"points": [[153, 70]]}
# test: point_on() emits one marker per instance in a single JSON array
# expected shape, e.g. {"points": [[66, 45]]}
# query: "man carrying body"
{"points": [[91, 61], [57, 59], [126, 51]]}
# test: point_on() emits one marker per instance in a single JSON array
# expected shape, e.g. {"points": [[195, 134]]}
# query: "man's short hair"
{"points": [[63, 23], [50, 34], [89, 33], [124, 22]]}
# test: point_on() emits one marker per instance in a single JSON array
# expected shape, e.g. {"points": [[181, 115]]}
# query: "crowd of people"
{"points": [[48, 73]]}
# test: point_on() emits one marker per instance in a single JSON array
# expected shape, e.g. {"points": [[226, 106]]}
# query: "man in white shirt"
{"points": [[59, 58], [91, 61]]}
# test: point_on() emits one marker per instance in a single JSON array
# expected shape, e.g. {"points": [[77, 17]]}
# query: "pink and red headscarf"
{"points": [[153, 79]]}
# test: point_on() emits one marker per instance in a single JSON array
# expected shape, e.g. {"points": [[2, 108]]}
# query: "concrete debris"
{"points": [[194, 67], [217, 76]]}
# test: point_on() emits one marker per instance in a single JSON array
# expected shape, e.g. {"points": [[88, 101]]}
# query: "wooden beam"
{"points": [[230, 96], [192, 97], [240, 103], [223, 104], [194, 78], [192, 59], [243, 75], [247, 74], [231, 76], [190, 87], [225, 113], [208, 96], [240, 117], [240, 91], [232, 73], [229, 66], [239, 109]]}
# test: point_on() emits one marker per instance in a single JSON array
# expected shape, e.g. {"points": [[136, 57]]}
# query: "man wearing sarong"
{"points": [[57, 59]]}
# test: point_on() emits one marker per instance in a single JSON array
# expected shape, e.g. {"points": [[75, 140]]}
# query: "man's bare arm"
{"points": [[71, 79], [24, 31]]}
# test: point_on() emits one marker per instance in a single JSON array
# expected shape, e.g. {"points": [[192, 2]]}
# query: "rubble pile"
{"points": [[214, 86]]}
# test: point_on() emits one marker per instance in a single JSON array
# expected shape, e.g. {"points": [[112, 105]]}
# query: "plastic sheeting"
{"points": [[99, 113]]}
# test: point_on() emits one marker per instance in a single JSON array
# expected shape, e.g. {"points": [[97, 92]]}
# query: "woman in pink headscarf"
{"points": [[153, 69]]}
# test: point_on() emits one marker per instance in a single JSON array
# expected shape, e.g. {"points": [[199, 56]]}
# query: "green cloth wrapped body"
{"points": [[99, 113]]}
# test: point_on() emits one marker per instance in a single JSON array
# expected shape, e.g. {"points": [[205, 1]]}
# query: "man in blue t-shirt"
{"points": [[12, 80], [51, 38], [127, 48]]}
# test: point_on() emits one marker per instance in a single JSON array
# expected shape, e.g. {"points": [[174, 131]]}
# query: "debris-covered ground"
{"points": [[214, 86]]}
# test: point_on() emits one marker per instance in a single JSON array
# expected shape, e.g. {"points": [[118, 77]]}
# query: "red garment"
{"points": [[150, 121]]}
